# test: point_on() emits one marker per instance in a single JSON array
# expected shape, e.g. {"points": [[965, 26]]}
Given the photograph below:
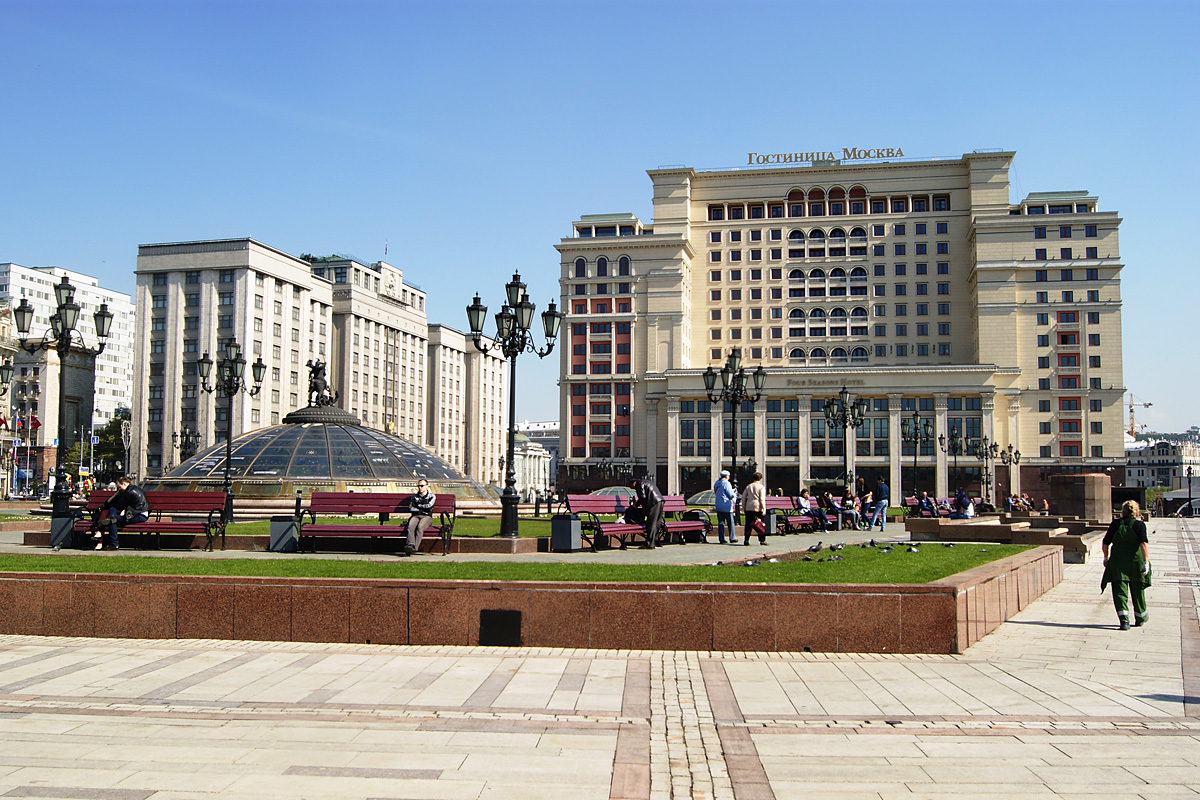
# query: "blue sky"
{"points": [[469, 135]]}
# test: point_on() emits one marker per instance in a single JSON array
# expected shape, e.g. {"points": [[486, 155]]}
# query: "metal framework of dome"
{"points": [[322, 448]]}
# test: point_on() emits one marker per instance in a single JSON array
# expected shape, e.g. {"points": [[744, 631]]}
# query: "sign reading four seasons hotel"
{"points": [[919, 285]]}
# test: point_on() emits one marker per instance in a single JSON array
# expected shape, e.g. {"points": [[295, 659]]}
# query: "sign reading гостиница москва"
{"points": [[848, 153]]}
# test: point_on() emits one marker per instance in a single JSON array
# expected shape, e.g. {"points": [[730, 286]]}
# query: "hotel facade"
{"points": [[915, 284]]}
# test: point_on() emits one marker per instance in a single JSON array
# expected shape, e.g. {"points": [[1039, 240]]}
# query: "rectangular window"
{"points": [[1092, 252], [1039, 232], [1039, 254], [1064, 232], [943, 248]]}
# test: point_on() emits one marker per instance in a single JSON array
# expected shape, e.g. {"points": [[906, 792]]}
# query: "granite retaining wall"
{"points": [[945, 616]]}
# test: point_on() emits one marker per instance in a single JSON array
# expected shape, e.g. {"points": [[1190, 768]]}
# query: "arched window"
{"points": [[838, 352], [837, 233], [796, 352], [580, 268], [816, 233], [837, 272], [859, 313], [623, 266], [858, 354], [601, 267], [816, 275], [837, 193], [816, 194], [859, 232], [796, 313], [858, 272], [839, 313], [796, 236], [817, 353], [796, 275], [816, 313]]}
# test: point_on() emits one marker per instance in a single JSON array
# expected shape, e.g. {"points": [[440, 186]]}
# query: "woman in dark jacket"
{"points": [[1127, 564]]}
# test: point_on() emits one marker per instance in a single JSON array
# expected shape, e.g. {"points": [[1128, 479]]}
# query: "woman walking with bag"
{"points": [[1127, 567], [754, 503]]}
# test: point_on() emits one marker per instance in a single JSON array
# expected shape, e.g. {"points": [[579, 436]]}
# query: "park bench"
{"points": [[788, 518], [381, 504], [679, 520], [207, 509], [590, 507]]}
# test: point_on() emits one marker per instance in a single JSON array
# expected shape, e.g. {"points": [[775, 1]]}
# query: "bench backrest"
{"points": [[780, 503], [166, 502], [674, 504], [339, 503], [596, 504]]}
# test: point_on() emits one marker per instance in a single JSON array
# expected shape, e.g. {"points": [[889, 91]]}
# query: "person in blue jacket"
{"points": [[724, 500]]}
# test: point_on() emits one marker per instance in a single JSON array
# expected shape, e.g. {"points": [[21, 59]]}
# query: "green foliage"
{"points": [[861, 565]]}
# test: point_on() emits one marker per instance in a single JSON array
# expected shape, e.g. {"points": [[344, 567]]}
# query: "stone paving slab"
{"points": [[1056, 703]]}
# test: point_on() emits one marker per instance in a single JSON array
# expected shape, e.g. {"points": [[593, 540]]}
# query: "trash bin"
{"points": [[772, 521], [283, 534], [566, 533]]}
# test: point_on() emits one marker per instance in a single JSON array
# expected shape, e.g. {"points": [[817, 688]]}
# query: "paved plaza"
{"points": [[1056, 703]]}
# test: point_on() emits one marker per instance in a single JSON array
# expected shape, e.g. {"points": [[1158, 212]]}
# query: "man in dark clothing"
{"points": [[420, 508], [127, 506], [648, 500]]}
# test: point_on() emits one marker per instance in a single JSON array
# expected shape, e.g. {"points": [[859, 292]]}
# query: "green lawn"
{"points": [[861, 565]]}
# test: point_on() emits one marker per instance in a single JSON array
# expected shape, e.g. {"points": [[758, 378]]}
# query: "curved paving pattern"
{"points": [[1055, 703]]}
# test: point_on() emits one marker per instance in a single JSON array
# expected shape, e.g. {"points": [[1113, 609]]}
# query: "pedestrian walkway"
{"points": [[1056, 703]]}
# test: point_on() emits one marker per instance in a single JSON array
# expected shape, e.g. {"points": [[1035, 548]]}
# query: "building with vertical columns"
{"points": [[917, 284], [467, 404]]}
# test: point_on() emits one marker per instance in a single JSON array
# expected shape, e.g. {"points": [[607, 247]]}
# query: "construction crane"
{"points": [[1133, 426]]}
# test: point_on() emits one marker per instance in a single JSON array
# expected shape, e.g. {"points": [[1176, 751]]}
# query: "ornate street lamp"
{"points": [[6, 376], [229, 382], [953, 446], [848, 415], [62, 338], [735, 389], [185, 441], [1010, 458], [1189, 477], [512, 339], [987, 453], [916, 433]]}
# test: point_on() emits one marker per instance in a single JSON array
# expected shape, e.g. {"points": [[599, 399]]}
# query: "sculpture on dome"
{"points": [[319, 393]]}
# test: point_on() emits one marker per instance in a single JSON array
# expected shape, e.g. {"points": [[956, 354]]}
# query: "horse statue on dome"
{"points": [[319, 393]]}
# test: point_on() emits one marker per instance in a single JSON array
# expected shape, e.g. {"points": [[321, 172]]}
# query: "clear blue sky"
{"points": [[470, 135]]}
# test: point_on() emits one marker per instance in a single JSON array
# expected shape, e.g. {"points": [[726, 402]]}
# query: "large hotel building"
{"points": [[916, 284]]}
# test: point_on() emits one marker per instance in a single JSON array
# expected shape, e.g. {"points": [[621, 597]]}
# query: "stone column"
{"points": [[760, 437], [940, 428], [988, 403], [805, 422], [1014, 438], [672, 445], [718, 438], [895, 446], [652, 438]]}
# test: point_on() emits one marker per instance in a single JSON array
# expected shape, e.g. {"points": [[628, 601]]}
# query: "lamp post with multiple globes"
{"points": [[735, 390], [848, 415], [229, 382]]}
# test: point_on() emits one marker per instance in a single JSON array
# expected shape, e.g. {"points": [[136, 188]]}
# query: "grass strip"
{"points": [[860, 565]]}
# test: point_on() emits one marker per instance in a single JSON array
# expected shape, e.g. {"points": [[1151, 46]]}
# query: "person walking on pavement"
{"points": [[649, 502], [754, 505], [420, 509], [724, 496], [1127, 564], [881, 504]]}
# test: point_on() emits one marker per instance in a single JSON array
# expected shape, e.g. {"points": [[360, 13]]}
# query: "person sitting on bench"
{"points": [[420, 507], [126, 507]]}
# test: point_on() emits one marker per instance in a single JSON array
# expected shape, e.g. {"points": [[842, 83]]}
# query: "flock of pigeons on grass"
{"points": [[816, 549]]}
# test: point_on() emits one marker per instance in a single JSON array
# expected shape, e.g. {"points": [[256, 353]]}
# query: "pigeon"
{"points": [[717, 564], [885, 549], [772, 560], [816, 548], [753, 563], [947, 544], [872, 543], [820, 561], [983, 549], [914, 549], [837, 558], [838, 546], [807, 558]]}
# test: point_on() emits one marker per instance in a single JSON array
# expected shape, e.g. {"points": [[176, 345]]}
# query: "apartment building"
{"points": [[467, 404]]}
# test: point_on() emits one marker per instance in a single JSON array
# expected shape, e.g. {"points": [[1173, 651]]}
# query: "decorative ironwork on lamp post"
{"points": [[62, 338], [916, 433], [953, 445], [987, 453], [1010, 458], [512, 339], [229, 382], [10, 468], [735, 390], [848, 415], [185, 441]]}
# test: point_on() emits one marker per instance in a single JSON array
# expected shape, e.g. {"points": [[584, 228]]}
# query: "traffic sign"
{"points": [[85, 471], [95, 440], [56, 442]]}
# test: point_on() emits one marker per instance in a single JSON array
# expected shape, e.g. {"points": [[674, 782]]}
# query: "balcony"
{"points": [[1068, 326], [1068, 348]]}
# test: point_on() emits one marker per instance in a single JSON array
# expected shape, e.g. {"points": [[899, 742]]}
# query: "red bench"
{"points": [[381, 504], [206, 507], [590, 507], [679, 520], [787, 518]]}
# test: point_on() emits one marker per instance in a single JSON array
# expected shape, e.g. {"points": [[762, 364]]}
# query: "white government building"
{"points": [[390, 368], [920, 285]]}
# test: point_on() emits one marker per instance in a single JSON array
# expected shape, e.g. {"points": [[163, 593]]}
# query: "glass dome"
{"points": [[318, 456]]}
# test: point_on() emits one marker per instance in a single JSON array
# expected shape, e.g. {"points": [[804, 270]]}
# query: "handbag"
{"points": [[759, 526]]}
